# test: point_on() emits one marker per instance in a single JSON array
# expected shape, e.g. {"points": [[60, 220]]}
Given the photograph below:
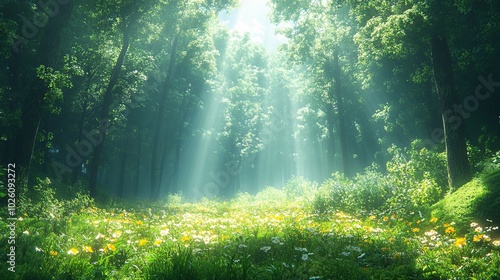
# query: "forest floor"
{"points": [[266, 236]]}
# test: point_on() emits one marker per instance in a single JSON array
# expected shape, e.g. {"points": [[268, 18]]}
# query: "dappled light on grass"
{"points": [[268, 236]]}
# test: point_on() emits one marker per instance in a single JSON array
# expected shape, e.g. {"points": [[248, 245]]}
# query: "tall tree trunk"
{"points": [[454, 132], [123, 164], [138, 162], [174, 184], [337, 90], [155, 182], [78, 169], [330, 115], [104, 116], [32, 112]]}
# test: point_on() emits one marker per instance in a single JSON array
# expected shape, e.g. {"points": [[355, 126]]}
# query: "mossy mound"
{"points": [[476, 201]]}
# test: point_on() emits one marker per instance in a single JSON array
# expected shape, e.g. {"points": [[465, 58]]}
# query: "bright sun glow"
{"points": [[251, 16]]}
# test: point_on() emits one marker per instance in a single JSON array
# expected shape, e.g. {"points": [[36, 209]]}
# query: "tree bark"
{"points": [[454, 131]]}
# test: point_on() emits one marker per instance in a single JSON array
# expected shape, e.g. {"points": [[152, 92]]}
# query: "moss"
{"points": [[476, 201]]}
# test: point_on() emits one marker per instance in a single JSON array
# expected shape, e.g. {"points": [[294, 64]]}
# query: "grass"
{"points": [[268, 236]]}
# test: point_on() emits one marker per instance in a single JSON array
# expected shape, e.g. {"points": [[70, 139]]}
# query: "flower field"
{"points": [[267, 236]]}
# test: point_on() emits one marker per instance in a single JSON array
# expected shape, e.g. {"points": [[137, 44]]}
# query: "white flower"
{"points": [[301, 249], [275, 240], [346, 253], [99, 236], [305, 257], [265, 248]]}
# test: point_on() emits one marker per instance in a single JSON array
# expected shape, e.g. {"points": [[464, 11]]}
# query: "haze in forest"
{"points": [[150, 98]]}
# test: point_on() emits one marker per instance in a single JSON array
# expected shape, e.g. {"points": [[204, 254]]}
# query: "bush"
{"points": [[414, 179]]}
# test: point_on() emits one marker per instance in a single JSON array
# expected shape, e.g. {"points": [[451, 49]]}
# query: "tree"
{"points": [[398, 30]]}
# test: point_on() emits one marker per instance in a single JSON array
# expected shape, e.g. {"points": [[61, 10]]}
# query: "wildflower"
{"points": [[385, 219], [449, 230], [143, 242], [460, 242], [496, 243], [415, 230], [446, 225], [433, 220], [473, 225], [372, 217], [275, 240], [110, 247], [486, 237], [206, 239], [305, 257], [157, 242], [99, 236], [265, 248], [164, 232], [117, 234], [73, 251], [478, 229], [88, 249], [53, 253], [185, 238], [26, 232], [431, 233], [38, 249], [346, 254], [391, 239]]}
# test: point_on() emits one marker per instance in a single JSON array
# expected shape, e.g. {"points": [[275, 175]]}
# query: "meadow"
{"points": [[271, 235]]}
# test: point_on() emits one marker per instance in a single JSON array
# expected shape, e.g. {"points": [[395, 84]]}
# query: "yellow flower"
{"points": [[142, 242], [372, 217], [415, 230], [449, 230], [88, 249], [460, 242], [446, 225], [111, 247], [391, 239], [477, 238], [139, 222], [73, 251], [496, 242], [386, 219], [433, 220], [393, 216], [185, 238], [117, 234], [419, 221], [158, 242], [54, 253]]}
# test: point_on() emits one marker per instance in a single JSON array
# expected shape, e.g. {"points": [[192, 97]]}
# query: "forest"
{"points": [[265, 139]]}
